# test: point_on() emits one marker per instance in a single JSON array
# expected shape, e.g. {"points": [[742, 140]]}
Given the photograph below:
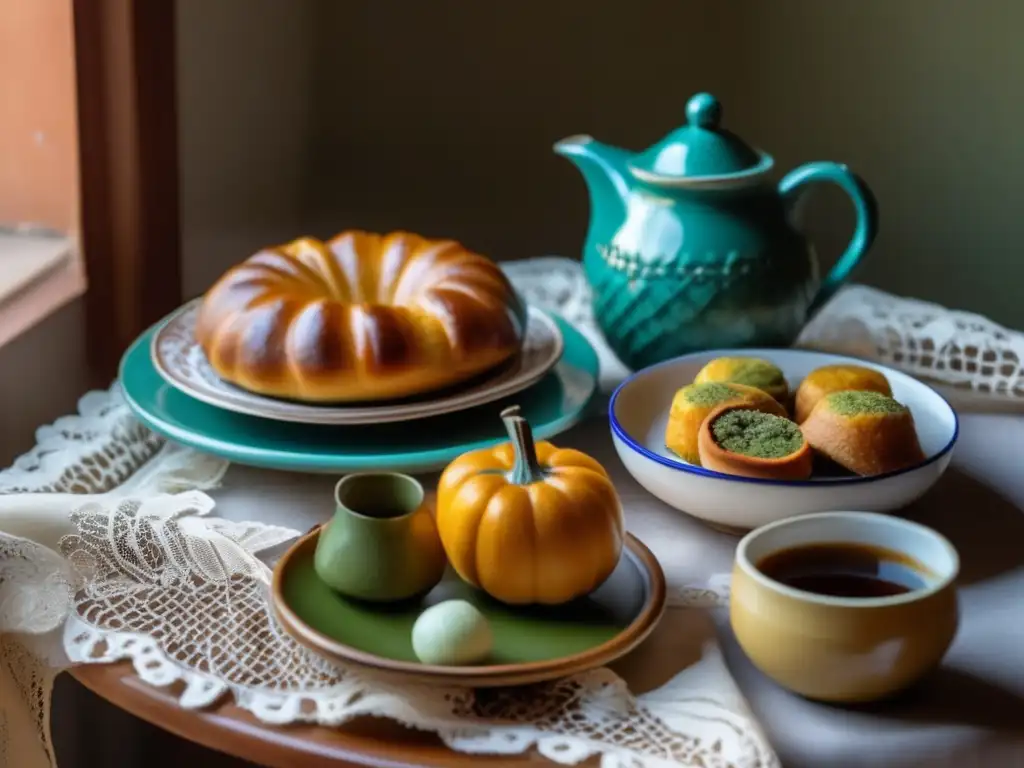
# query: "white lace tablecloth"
{"points": [[115, 545], [141, 570]]}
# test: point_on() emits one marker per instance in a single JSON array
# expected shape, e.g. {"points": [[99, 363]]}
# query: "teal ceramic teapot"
{"points": [[691, 245]]}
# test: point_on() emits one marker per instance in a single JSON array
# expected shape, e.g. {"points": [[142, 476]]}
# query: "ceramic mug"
{"points": [[382, 543], [845, 649]]}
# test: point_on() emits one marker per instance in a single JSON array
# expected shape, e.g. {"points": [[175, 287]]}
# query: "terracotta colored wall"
{"points": [[38, 150], [43, 372]]}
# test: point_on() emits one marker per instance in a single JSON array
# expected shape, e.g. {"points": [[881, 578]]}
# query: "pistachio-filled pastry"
{"points": [[692, 404], [836, 378], [740, 440], [867, 433], [751, 371]]}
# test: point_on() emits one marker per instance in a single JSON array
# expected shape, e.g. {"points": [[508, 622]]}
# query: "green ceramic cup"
{"points": [[382, 543]]}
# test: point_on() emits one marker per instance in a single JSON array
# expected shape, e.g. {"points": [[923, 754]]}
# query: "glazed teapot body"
{"points": [[691, 246]]}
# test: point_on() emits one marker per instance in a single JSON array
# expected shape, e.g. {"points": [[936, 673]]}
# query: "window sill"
{"points": [[38, 275]]}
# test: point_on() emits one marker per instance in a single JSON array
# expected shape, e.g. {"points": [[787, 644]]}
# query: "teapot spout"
{"points": [[604, 171]]}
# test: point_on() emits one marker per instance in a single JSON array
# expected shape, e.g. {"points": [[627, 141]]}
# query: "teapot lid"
{"points": [[700, 151]]}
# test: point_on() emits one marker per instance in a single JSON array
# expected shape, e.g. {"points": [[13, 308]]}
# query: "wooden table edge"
{"points": [[226, 727]]}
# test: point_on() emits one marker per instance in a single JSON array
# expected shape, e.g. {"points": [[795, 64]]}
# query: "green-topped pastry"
{"points": [[866, 432], [751, 371], [853, 402], [759, 435], [836, 378], [694, 402], [739, 440]]}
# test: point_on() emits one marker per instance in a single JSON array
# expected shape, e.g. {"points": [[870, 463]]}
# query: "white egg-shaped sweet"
{"points": [[452, 633]]}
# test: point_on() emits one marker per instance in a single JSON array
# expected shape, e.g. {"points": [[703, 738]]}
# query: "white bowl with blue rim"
{"points": [[639, 409]]}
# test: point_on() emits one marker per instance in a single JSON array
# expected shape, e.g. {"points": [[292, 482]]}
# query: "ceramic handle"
{"points": [[794, 184]]}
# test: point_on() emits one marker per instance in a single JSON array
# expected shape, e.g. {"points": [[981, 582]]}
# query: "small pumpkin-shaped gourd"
{"points": [[529, 523]]}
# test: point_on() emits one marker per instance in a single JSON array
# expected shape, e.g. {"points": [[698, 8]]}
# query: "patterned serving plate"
{"points": [[180, 361], [552, 405]]}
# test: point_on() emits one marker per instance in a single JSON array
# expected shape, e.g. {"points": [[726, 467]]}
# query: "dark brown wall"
{"points": [[926, 99], [439, 116], [436, 116]]}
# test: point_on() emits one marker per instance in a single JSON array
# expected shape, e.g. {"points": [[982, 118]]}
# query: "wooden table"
{"points": [[230, 729]]}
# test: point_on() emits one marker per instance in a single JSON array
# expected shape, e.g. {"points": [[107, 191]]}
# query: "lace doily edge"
{"points": [[202, 691]]}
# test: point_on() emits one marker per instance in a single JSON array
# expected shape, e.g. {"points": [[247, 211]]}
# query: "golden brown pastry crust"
{"points": [[751, 371], [836, 378], [360, 317], [865, 444], [796, 466], [685, 418]]}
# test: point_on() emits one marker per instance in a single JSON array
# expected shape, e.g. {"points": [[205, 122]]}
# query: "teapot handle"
{"points": [[793, 185]]}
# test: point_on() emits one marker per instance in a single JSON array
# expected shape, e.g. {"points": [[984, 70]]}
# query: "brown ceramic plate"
{"points": [[531, 643]]}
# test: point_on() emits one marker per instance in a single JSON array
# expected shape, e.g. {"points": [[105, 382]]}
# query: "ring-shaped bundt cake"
{"points": [[359, 317]]}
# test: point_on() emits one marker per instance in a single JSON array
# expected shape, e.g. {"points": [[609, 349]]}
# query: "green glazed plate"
{"points": [[552, 405], [531, 643]]}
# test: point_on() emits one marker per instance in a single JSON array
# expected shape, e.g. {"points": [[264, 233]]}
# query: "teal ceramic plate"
{"points": [[531, 643], [552, 405]]}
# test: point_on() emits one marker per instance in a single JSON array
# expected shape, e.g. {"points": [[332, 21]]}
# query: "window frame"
{"points": [[129, 224]]}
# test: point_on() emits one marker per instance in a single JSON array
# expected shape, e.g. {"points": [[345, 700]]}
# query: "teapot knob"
{"points": [[704, 111]]}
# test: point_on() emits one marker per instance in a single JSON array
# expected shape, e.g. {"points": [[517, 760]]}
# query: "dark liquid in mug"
{"points": [[845, 570]]}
